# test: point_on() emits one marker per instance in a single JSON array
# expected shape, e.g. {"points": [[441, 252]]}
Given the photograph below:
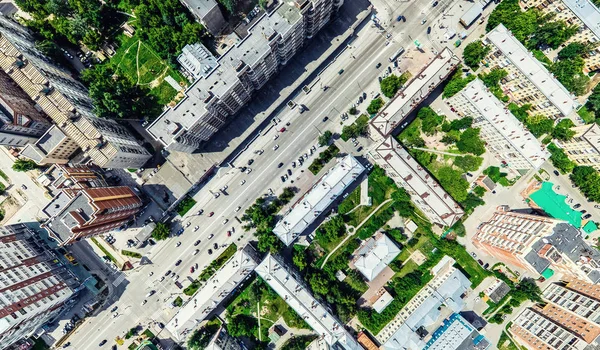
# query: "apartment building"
{"points": [[509, 141], [21, 121], [582, 13], [75, 213], [318, 199], [53, 147], [290, 287], [197, 61], [584, 147], [528, 81], [541, 244], [412, 94], [425, 192], [65, 100], [219, 286], [34, 285], [271, 42], [208, 13], [568, 319]]}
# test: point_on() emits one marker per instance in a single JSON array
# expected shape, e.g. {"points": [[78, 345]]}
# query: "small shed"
{"points": [[471, 14]]}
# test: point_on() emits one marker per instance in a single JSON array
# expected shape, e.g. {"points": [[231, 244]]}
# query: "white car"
{"points": [[248, 171], [224, 188], [211, 236], [188, 224], [196, 228], [276, 137], [144, 302], [161, 279], [275, 147], [237, 209], [150, 293], [225, 221], [242, 182], [150, 274], [196, 251]]}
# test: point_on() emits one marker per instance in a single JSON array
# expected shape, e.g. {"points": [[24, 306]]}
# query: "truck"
{"points": [[397, 54]]}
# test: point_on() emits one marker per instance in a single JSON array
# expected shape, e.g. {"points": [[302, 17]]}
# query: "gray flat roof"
{"points": [[60, 223], [200, 8], [587, 12], [197, 60]]}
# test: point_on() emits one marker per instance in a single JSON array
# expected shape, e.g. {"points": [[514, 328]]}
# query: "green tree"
{"points": [[551, 33], [268, 242], [587, 179], [391, 84], [161, 231], [375, 106], [242, 326], [593, 102], [521, 24], [331, 230], [493, 78], [468, 162], [430, 120], [559, 159], [459, 229], [453, 182], [457, 83], [457, 124], [230, 5], [470, 142], [325, 138], [24, 165], [474, 53], [573, 50], [519, 112], [539, 125], [563, 131], [570, 73], [471, 202], [299, 257]]}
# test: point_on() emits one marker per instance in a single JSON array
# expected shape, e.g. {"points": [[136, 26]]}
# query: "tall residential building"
{"points": [[504, 135], [219, 286], [290, 287], [271, 42], [412, 94], [53, 147], [528, 81], [318, 199], [34, 285], [223, 341], [582, 13], [584, 147], [80, 213], [569, 319], [21, 121], [65, 100], [541, 244], [424, 190], [60, 176], [208, 13]]}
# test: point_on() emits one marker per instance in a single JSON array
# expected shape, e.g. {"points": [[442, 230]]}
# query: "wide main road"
{"points": [[359, 64]]}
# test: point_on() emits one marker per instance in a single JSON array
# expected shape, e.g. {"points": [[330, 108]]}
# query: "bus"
{"points": [[397, 54]]}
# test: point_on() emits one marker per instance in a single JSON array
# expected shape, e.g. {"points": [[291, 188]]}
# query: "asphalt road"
{"points": [[358, 62]]}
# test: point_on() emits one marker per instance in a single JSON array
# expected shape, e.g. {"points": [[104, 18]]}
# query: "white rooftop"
{"points": [[212, 293], [383, 301], [375, 255], [318, 199], [414, 92], [197, 60], [441, 207], [486, 105], [587, 12], [301, 300], [533, 69]]}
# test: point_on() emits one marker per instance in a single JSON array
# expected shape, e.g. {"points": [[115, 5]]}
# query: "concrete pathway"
{"points": [[351, 234], [438, 152]]}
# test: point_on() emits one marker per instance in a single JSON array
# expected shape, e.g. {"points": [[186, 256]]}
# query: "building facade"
{"points": [[528, 81], [208, 13], [271, 42], [568, 319], [424, 190], [75, 214], [53, 147], [505, 136], [65, 100], [581, 13], [584, 147], [34, 285]]}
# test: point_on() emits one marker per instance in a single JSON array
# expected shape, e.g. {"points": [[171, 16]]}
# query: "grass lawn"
{"points": [[407, 268], [350, 202], [585, 114], [329, 246], [504, 343], [185, 205]]}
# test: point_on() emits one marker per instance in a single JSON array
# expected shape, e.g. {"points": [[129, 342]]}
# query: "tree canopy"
{"points": [[563, 131], [587, 179], [457, 83], [470, 142], [375, 106], [474, 53], [391, 84], [453, 182], [325, 138], [559, 159], [430, 120], [468, 162], [24, 165], [161, 231], [539, 125]]}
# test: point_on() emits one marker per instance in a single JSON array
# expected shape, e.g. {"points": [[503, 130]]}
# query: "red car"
{"points": [[228, 233], [192, 269], [211, 214]]}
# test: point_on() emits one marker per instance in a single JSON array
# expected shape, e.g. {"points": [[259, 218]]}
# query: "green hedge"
{"points": [[109, 255], [324, 158], [210, 270], [131, 254], [185, 205]]}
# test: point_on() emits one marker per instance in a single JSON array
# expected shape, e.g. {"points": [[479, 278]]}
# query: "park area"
{"points": [[140, 64]]}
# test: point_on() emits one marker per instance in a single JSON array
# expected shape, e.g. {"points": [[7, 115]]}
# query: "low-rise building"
{"points": [[221, 284], [285, 282], [528, 80], [223, 341], [581, 13], [506, 137], [374, 255], [197, 60], [584, 147], [456, 333], [424, 190], [316, 201], [208, 13], [414, 326], [498, 290], [414, 92], [75, 214], [34, 284], [61, 176]]}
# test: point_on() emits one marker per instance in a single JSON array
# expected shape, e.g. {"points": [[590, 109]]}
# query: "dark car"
{"points": [[325, 119], [216, 246], [428, 30], [435, 3], [114, 347], [66, 345], [197, 242], [282, 178], [280, 165], [114, 309], [250, 161], [161, 325], [289, 172], [359, 149], [576, 206], [586, 216], [211, 214], [583, 211], [102, 342], [556, 172], [480, 262], [178, 262], [399, 18], [210, 252], [486, 265], [167, 273], [378, 65]]}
